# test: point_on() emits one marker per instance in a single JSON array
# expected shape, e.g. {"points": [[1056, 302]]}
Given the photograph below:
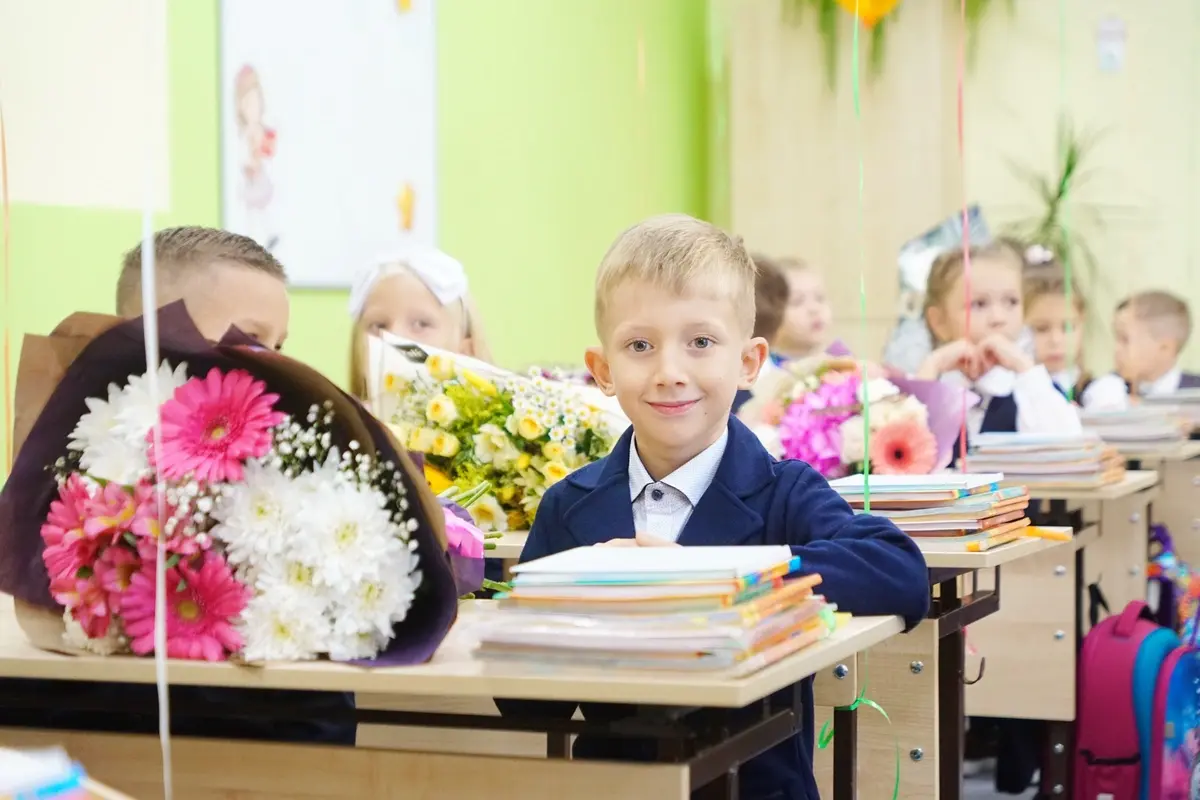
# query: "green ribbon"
{"points": [[855, 88], [825, 735], [1062, 151]]}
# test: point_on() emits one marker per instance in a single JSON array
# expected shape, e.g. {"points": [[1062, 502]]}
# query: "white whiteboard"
{"points": [[328, 130]]}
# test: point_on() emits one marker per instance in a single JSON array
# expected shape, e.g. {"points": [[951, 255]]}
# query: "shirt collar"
{"points": [[1168, 383], [692, 479], [996, 382]]}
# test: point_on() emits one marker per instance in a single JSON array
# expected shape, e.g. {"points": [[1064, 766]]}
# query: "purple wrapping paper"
{"points": [[838, 349], [945, 405], [468, 572], [118, 353]]}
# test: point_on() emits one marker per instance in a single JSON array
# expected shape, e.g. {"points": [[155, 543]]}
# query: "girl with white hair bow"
{"points": [[416, 293]]}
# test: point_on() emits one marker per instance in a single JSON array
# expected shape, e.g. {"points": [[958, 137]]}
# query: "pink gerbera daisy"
{"points": [[115, 571], [147, 526], [203, 599], [213, 424], [903, 448], [85, 598], [109, 513], [68, 549]]}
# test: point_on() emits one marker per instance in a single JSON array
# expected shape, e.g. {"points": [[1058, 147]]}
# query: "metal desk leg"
{"points": [[845, 754], [951, 700]]}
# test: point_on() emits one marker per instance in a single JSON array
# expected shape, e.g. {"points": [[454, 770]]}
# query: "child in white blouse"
{"points": [[975, 316]]}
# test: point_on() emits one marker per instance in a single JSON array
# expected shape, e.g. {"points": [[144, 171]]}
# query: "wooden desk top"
{"points": [[453, 672], [941, 554], [508, 546], [1134, 481], [1184, 452]]}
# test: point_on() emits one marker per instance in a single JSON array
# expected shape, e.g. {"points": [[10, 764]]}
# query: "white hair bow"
{"points": [[1037, 255], [441, 274]]}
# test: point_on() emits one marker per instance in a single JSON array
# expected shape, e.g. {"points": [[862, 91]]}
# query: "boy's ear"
{"points": [[754, 355], [597, 364]]}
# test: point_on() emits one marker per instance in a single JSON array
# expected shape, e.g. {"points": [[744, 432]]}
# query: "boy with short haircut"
{"points": [[1152, 329], [675, 316], [770, 305], [225, 279]]}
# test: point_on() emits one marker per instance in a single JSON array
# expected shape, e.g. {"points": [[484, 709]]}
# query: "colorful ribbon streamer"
{"points": [[966, 214], [827, 732], [9, 399], [856, 91], [1064, 209]]}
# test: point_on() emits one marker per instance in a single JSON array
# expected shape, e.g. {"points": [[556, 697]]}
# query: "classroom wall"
{"points": [[796, 145], [547, 148]]}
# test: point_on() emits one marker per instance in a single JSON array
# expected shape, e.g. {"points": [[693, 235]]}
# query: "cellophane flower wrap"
{"points": [[476, 424], [816, 415], [292, 528]]}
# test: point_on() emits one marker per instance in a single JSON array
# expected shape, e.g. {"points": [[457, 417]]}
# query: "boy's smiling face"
{"points": [[674, 363]]}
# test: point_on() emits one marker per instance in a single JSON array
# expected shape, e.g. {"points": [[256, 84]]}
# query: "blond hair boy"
{"points": [[675, 318], [1152, 329], [225, 279]]}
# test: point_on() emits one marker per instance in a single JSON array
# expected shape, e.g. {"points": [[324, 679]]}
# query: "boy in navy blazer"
{"points": [[675, 316]]}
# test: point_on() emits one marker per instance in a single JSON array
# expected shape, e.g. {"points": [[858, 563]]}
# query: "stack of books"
{"points": [[968, 512], [1048, 461], [1147, 427], [727, 610], [1183, 403]]}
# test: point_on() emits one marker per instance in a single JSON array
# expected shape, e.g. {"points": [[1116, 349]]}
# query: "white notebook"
{"points": [[632, 564], [852, 484]]}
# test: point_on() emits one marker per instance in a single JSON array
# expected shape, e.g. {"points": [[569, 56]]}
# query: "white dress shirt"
{"points": [[1104, 393], [1168, 383], [1041, 408], [662, 508]]}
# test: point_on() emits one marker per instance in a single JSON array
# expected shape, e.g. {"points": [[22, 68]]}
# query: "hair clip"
{"points": [[1037, 255]]}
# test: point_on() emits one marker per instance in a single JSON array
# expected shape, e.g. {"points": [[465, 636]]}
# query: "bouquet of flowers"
{"points": [[477, 424], [820, 410], [288, 522]]}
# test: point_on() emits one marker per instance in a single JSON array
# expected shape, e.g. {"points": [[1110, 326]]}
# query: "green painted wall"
{"points": [[547, 148]]}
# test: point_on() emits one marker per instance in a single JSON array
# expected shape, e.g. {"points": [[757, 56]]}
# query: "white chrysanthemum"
{"points": [[355, 646], [348, 536], [96, 427], [252, 516], [282, 624], [877, 389], [111, 643], [376, 605], [116, 460], [137, 408]]}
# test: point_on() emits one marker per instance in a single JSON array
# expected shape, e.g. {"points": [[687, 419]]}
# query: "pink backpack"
{"points": [[1136, 716]]}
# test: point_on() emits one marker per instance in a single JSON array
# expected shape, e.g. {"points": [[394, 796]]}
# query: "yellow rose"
{"points": [[441, 410], [441, 368], [422, 440], [523, 461], [479, 383], [554, 471], [529, 427], [438, 481], [554, 451], [488, 514], [445, 445]]}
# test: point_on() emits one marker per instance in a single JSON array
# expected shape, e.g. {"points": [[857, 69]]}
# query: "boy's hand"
{"points": [[646, 540], [958, 355], [999, 349]]}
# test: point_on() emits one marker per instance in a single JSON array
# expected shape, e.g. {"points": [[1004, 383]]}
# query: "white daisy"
{"points": [[348, 536], [355, 646], [282, 624], [115, 460], [376, 605], [137, 408], [96, 427], [252, 516]]}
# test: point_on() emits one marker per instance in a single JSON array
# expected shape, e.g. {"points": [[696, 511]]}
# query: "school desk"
{"points": [[1032, 645], [695, 754], [918, 678], [1178, 502]]}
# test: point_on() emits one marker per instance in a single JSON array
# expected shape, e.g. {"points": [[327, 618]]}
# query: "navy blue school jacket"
{"points": [[867, 567]]}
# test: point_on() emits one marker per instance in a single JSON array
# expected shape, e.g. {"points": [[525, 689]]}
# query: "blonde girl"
{"points": [[416, 293], [1057, 327], [980, 349]]}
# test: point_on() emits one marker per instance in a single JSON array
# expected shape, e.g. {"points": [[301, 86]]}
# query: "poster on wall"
{"points": [[328, 130]]}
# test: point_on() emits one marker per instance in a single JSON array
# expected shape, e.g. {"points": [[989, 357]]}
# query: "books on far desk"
{"points": [[969, 511], [727, 610], [1150, 426], [1048, 461], [1182, 403]]}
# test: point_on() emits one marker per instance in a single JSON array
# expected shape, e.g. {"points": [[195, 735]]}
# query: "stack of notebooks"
{"points": [[725, 610], [1151, 426], [1184, 404], [1048, 461], [966, 512]]}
